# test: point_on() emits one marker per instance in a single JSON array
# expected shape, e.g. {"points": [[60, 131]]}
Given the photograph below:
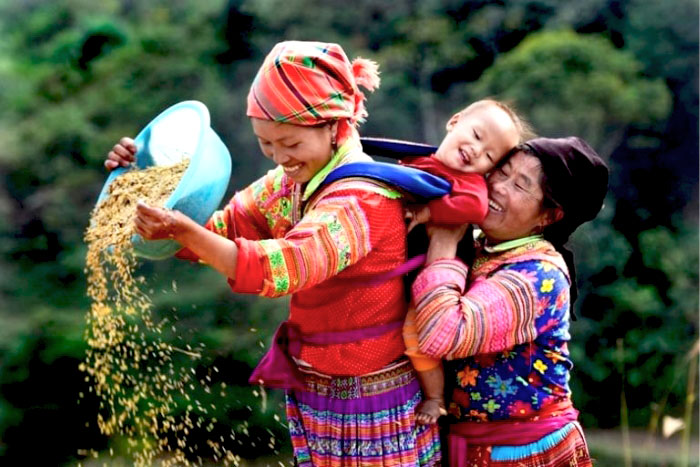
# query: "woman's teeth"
{"points": [[291, 169], [495, 207]]}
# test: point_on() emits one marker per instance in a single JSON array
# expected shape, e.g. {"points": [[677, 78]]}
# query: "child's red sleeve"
{"points": [[467, 202]]}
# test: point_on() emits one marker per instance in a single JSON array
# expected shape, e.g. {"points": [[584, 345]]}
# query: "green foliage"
{"points": [[75, 75], [653, 313], [567, 83]]}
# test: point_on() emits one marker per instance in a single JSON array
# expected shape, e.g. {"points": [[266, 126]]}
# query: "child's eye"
{"points": [[476, 135], [489, 157]]}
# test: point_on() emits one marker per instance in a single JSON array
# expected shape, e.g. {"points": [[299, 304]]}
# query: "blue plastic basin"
{"points": [[181, 131]]}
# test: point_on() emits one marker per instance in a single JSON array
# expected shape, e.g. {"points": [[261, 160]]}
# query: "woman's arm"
{"points": [[494, 314], [491, 315], [335, 233], [156, 223]]}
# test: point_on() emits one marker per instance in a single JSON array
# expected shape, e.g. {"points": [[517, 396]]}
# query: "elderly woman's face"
{"points": [[515, 199]]}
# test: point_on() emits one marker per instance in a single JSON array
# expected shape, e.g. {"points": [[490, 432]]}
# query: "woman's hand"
{"points": [[157, 223], [122, 154], [443, 241]]}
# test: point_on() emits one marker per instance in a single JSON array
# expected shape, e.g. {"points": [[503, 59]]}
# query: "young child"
{"points": [[349, 392], [477, 138]]}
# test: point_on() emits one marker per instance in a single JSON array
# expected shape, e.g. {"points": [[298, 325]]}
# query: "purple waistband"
{"points": [[405, 268], [277, 368]]}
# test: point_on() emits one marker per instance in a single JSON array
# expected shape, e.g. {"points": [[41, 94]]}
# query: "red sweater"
{"points": [[348, 232], [467, 202]]}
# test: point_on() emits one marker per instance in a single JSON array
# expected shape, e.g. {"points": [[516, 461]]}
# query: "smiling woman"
{"points": [[351, 393], [301, 151], [515, 200], [505, 332]]}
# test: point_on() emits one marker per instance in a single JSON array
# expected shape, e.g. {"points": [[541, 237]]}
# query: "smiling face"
{"points": [[515, 200], [477, 139], [301, 150]]}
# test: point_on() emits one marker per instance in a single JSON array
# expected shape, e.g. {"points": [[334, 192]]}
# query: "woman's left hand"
{"points": [[154, 223], [444, 241]]}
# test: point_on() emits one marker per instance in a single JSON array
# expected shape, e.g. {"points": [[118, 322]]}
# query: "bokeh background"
{"points": [[75, 75]]}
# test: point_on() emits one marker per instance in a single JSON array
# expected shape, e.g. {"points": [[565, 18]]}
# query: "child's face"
{"points": [[478, 139], [301, 150]]}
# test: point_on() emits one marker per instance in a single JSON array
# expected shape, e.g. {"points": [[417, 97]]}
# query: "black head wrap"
{"points": [[577, 180]]}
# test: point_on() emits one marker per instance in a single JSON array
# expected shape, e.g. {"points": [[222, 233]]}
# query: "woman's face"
{"points": [[515, 199], [301, 150]]}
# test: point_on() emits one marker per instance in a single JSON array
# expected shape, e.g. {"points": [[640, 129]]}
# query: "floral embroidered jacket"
{"points": [[505, 335], [322, 245]]}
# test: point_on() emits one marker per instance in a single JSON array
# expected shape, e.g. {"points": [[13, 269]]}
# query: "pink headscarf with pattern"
{"points": [[309, 83]]}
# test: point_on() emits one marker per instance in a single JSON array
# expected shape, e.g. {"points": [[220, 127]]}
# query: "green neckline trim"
{"points": [[510, 244], [317, 179]]}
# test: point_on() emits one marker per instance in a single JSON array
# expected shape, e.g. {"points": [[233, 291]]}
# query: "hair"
{"points": [[525, 130]]}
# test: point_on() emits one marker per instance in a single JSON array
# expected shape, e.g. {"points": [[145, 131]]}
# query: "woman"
{"points": [[505, 334], [351, 393]]}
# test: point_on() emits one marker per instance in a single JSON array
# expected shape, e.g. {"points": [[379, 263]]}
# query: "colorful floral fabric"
{"points": [[506, 336]]}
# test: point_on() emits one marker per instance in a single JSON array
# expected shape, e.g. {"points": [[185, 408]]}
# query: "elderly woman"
{"points": [[503, 324]]}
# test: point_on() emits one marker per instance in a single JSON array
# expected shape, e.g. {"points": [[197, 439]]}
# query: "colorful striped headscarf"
{"points": [[308, 83]]}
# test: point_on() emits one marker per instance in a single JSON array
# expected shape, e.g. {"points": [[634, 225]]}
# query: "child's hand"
{"points": [[416, 215], [444, 241], [122, 154]]}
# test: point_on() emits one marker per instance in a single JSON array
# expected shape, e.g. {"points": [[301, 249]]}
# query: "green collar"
{"points": [[510, 244], [334, 162]]}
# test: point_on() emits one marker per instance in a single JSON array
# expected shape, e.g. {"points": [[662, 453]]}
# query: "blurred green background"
{"points": [[75, 75]]}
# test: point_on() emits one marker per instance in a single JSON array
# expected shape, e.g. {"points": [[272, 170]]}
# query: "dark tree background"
{"points": [[76, 75]]}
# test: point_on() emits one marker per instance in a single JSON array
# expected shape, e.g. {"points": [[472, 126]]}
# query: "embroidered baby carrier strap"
{"points": [[278, 370], [486, 263], [389, 180]]}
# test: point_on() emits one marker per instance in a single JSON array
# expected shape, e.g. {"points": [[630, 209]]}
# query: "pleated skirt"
{"points": [[366, 420]]}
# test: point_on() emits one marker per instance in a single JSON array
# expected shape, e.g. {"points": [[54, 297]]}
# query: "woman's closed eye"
{"points": [[499, 174]]}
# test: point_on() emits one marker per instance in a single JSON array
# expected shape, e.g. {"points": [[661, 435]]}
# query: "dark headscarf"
{"points": [[577, 180]]}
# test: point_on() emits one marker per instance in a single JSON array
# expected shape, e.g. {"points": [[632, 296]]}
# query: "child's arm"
{"points": [[467, 203]]}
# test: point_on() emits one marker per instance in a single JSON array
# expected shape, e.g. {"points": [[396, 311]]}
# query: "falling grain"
{"points": [[129, 365]]}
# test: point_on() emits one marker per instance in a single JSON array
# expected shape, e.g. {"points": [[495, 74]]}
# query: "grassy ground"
{"points": [[606, 448]]}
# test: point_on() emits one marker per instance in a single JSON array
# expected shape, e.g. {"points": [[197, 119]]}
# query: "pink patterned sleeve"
{"points": [[494, 314]]}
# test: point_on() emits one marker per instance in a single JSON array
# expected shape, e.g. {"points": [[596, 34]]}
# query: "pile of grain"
{"points": [[129, 363]]}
